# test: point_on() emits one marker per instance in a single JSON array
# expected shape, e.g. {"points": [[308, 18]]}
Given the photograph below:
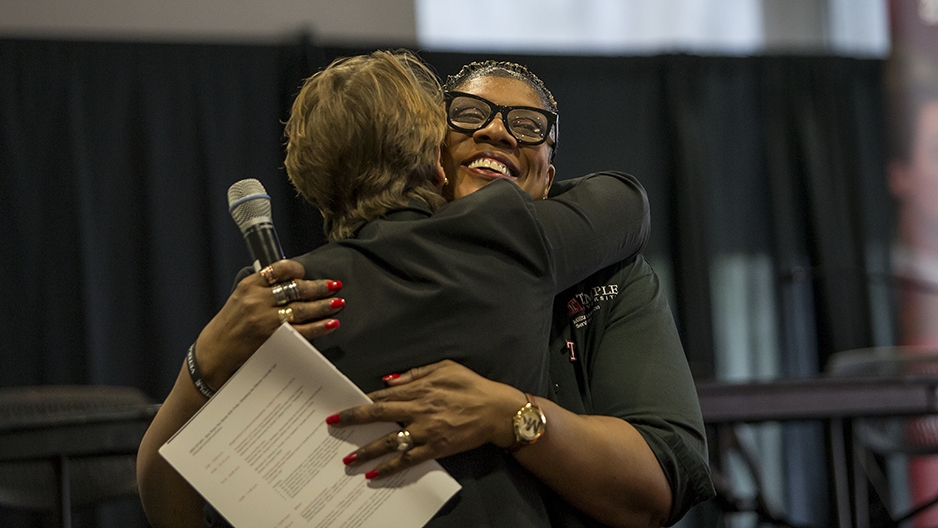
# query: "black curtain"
{"points": [[115, 159]]}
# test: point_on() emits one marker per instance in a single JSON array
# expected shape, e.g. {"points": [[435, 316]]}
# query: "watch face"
{"points": [[530, 424]]}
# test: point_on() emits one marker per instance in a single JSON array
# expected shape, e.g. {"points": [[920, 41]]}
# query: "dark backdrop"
{"points": [[115, 159]]}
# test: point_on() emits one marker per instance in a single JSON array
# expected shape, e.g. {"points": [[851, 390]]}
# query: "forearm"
{"points": [[168, 500], [600, 465]]}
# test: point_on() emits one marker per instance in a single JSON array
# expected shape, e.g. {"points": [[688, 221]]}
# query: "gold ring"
{"points": [[404, 440], [286, 314], [268, 273]]}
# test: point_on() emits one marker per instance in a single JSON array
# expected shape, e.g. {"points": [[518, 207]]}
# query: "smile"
{"points": [[490, 164]]}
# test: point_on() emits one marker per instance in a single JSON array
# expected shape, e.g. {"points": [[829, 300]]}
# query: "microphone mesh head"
{"points": [[254, 202]]}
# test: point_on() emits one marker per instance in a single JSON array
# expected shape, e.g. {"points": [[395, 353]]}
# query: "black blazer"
{"points": [[474, 282]]}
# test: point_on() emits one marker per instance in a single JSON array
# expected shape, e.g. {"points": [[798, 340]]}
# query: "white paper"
{"points": [[261, 453]]}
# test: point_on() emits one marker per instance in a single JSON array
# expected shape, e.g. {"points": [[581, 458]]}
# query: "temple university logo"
{"points": [[581, 307], [573, 307]]}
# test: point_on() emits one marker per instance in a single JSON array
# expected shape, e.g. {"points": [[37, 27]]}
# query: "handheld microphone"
{"points": [[249, 205]]}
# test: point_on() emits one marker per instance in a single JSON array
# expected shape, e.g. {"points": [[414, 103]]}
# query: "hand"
{"points": [[250, 316], [446, 407]]}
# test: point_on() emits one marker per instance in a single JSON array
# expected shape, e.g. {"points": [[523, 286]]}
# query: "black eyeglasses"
{"points": [[527, 124]]}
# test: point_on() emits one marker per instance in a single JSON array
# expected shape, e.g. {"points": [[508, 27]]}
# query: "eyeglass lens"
{"points": [[526, 125]]}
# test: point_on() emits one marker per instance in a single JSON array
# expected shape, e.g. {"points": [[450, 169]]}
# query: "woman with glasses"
{"points": [[471, 281], [626, 444]]}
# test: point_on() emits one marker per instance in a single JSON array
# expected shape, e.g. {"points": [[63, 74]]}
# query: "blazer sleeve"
{"points": [[597, 220]]}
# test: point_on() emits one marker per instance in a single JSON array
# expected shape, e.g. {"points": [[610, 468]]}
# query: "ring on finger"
{"points": [[268, 274], [286, 314], [286, 292], [404, 440]]}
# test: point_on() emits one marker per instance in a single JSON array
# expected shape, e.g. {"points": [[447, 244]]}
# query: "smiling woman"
{"points": [[608, 326], [525, 115]]}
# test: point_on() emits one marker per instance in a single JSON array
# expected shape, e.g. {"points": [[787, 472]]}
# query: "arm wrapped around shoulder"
{"points": [[594, 221]]}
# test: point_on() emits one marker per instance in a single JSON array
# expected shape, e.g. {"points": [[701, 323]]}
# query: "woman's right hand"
{"points": [[251, 314], [447, 409]]}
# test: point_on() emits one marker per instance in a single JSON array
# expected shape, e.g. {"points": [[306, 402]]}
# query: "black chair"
{"points": [[65, 446]]}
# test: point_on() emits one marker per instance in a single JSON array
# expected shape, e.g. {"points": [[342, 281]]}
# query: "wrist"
{"points": [[529, 424], [504, 435], [195, 374], [211, 364]]}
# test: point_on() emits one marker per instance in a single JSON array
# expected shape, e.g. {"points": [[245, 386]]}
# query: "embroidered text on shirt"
{"points": [[581, 307]]}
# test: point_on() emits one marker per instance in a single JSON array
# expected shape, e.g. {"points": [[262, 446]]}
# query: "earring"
{"points": [[445, 181]]}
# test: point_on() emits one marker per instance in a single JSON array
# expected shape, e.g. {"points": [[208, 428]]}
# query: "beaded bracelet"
{"points": [[196, 376]]}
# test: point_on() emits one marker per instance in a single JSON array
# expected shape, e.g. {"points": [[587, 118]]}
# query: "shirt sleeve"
{"points": [[639, 373], [631, 365]]}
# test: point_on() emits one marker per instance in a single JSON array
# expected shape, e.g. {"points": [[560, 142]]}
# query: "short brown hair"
{"points": [[363, 137]]}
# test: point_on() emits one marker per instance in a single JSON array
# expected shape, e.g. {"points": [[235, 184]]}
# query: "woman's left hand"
{"points": [[447, 409]]}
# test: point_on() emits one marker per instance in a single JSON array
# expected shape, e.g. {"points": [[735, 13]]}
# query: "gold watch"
{"points": [[529, 424]]}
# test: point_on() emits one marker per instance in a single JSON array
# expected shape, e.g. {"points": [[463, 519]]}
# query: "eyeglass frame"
{"points": [[503, 110]]}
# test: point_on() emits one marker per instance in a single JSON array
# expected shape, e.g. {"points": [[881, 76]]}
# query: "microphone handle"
{"points": [[263, 244]]}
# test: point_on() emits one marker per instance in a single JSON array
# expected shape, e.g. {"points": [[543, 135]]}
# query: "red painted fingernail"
{"points": [[390, 377], [332, 420], [371, 474], [331, 324], [349, 459], [337, 303], [334, 285]]}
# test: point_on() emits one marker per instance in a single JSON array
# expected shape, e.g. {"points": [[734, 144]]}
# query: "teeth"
{"points": [[488, 163]]}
